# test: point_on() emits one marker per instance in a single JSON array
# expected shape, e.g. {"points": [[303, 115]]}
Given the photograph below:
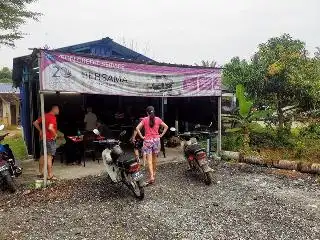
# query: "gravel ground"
{"points": [[247, 203]]}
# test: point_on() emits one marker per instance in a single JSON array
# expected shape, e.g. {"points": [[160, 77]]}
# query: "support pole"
{"points": [[44, 138], [162, 108], [219, 140], [176, 122]]}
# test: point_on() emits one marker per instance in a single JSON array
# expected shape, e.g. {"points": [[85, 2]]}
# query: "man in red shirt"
{"points": [[51, 134]]}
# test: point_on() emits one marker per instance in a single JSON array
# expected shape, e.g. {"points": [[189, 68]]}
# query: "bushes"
{"points": [[232, 142], [312, 131], [301, 144], [262, 139], [270, 138]]}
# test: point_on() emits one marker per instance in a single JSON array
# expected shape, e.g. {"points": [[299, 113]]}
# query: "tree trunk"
{"points": [[246, 141], [280, 112], [280, 118]]}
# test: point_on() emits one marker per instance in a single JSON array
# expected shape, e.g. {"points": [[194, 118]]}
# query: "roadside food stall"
{"points": [[81, 74]]}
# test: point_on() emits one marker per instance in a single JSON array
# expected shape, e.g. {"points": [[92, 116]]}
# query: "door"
{"points": [[13, 112]]}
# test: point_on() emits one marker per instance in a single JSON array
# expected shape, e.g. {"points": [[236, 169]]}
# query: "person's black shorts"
{"points": [[51, 147], [138, 144]]}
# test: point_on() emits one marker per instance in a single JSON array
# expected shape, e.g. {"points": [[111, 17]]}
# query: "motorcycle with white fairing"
{"points": [[120, 167]]}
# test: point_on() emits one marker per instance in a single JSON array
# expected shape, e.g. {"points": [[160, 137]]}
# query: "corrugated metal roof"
{"points": [[104, 47], [8, 88], [10, 97]]}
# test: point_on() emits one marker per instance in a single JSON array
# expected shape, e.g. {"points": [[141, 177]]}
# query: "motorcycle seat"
{"points": [[194, 148], [124, 161]]}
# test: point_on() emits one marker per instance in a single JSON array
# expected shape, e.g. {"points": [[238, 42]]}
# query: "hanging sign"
{"points": [[73, 73]]}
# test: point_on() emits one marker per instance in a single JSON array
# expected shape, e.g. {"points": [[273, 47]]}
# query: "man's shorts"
{"points": [[51, 147], [151, 146]]}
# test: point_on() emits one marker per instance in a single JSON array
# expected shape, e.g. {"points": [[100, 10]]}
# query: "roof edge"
{"points": [[132, 61]]}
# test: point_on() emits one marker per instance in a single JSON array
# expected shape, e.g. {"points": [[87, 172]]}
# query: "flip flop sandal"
{"points": [[40, 176], [53, 178], [150, 182]]}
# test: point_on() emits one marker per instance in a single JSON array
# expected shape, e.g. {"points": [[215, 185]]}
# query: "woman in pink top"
{"points": [[151, 140]]}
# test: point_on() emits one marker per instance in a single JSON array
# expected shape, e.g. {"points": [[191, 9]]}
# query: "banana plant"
{"points": [[245, 116]]}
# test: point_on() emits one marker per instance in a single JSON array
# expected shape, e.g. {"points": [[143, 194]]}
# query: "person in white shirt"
{"points": [[90, 120]]}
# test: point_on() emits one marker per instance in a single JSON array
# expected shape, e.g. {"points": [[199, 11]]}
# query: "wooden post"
{"points": [[219, 140], [43, 123], [162, 108], [44, 138], [176, 122]]}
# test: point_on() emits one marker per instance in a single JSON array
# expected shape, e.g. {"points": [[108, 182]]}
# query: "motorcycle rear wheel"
{"points": [[137, 189], [9, 183]]}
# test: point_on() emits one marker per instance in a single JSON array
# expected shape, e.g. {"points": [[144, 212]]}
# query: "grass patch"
{"points": [[17, 144], [300, 144], [303, 149]]}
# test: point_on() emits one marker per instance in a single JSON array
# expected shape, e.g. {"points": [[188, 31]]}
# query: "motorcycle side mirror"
{"points": [[96, 132], [1, 127], [172, 129], [123, 133]]}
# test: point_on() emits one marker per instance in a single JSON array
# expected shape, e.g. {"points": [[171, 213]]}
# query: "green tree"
{"points": [[13, 14], [5, 75], [317, 53], [278, 75], [245, 116]]}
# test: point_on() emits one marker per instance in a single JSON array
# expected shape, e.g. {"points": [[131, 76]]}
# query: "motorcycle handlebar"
{"points": [[197, 134]]}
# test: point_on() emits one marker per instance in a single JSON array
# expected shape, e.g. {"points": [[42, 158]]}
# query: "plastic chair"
{"points": [[89, 146]]}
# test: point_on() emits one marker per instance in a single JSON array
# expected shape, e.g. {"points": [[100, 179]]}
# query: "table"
{"points": [[76, 139], [74, 148]]}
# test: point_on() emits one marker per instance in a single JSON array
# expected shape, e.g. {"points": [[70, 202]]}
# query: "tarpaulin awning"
{"points": [[66, 72]]}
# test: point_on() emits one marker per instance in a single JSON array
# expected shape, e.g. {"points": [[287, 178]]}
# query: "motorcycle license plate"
{"points": [[137, 176], [202, 161]]}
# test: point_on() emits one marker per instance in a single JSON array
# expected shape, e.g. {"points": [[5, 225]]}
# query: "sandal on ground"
{"points": [[40, 176], [151, 181], [53, 178]]}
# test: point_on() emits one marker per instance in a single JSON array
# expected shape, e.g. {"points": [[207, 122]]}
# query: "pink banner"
{"points": [[74, 73]]}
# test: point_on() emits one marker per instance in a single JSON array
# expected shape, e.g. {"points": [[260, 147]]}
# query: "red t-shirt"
{"points": [[50, 119], [151, 133]]}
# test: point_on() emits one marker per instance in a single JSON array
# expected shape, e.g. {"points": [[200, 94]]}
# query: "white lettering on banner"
{"points": [[71, 73], [90, 61], [103, 77]]}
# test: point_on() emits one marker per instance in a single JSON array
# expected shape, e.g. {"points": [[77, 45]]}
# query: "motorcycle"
{"points": [[120, 167], [8, 168], [196, 156]]}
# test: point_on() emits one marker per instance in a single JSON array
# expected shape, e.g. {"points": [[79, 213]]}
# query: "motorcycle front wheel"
{"points": [[137, 189], [208, 175], [208, 178], [7, 179]]}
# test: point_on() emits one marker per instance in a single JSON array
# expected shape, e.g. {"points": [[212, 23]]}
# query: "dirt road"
{"points": [[247, 203]]}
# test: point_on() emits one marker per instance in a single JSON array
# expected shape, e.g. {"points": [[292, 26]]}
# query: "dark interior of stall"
{"points": [[196, 110]]}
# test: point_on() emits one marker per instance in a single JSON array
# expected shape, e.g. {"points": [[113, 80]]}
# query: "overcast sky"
{"points": [[175, 31]]}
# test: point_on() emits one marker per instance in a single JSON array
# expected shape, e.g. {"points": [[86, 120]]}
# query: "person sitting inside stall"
{"points": [[103, 129], [90, 120]]}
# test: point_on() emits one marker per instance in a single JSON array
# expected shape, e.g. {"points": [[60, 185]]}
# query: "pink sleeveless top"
{"points": [[151, 133]]}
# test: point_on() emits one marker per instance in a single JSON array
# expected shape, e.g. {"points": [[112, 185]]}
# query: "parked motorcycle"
{"points": [[196, 156], [121, 167], [8, 168]]}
